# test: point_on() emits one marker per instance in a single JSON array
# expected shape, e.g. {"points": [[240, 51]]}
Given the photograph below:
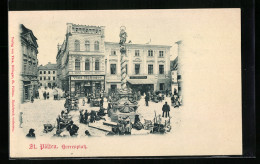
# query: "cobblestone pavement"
{"points": [[46, 111]]}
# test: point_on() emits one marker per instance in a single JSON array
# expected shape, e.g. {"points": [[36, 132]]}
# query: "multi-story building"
{"points": [[148, 67], [29, 49], [81, 58], [88, 64], [47, 75], [174, 76]]}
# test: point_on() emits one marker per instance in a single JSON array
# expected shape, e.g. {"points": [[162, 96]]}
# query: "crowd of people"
{"points": [[124, 125]]}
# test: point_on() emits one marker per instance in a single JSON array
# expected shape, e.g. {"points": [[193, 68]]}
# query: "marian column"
{"points": [[123, 36]]}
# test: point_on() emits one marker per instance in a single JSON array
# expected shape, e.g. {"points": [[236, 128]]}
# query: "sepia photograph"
{"points": [[92, 83]]}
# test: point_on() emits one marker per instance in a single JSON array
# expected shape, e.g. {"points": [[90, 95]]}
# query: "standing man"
{"points": [[160, 96], [173, 100], [167, 92], [166, 109], [146, 99], [101, 102], [32, 99], [44, 95], [83, 102]]}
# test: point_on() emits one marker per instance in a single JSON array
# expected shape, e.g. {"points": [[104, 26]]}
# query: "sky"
{"points": [[163, 27]]}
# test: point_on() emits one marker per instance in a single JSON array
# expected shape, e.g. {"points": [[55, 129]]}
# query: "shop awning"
{"points": [[140, 81]]}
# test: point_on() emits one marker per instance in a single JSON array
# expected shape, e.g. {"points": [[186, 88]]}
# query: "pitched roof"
{"points": [[25, 30], [48, 66], [174, 64]]}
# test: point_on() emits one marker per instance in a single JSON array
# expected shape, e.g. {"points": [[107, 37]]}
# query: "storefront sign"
{"points": [[87, 77], [138, 77]]}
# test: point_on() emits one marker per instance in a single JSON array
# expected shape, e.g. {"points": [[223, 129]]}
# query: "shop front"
{"points": [[83, 85], [141, 84], [26, 90]]}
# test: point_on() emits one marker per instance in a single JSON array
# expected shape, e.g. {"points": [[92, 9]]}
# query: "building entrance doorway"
{"points": [[77, 88], [113, 88], [88, 90]]}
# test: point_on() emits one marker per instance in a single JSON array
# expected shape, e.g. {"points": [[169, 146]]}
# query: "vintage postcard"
{"points": [[114, 83]]}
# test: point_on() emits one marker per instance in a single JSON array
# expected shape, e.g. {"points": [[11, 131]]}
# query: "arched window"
{"points": [[87, 45], [97, 64], [77, 65], [87, 65], [96, 45], [77, 45]]}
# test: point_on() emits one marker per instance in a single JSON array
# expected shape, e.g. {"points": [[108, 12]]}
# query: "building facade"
{"points": [[80, 60], [175, 77], [147, 67], [88, 64], [29, 49], [47, 75]]}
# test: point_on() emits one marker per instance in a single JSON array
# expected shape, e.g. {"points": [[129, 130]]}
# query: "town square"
{"points": [[99, 88]]}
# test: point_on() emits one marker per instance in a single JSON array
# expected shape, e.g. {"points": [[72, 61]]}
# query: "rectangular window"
{"points": [[53, 78], [49, 78], [150, 52], [40, 78], [87, 65], [49, 72], [40, 72], [96, 65], [24, 65], [53, 72], [161, 69], [77, 65], [113, 52], [44, 78], [44, 72], [137, 69], [150, 69], [137, 53], [161, 86], [179, 77], [160, 53], [126, 69], [113, 69]]}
